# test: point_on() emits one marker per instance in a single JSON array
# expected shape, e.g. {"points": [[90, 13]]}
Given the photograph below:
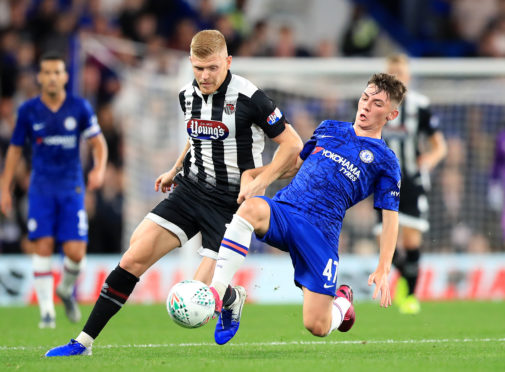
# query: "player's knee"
{"points": [[317, 326], [253, 210], [129, 262], [76, 256]]}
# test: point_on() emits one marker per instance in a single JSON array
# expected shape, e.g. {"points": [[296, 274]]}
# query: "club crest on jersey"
{"points": [[70, 123], [230, 107], [207, 129], [366, 156], [274, 117]]}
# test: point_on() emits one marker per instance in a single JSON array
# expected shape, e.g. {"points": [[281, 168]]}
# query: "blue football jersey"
{"points": [[55, 137], [339, 170]]}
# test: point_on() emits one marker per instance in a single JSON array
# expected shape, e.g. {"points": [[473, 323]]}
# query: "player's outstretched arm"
{"points": [[165, 181], [387, 248], [96, 176], [255, 182], [11, 161]]}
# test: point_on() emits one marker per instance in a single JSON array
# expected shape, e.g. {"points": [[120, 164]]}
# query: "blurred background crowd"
{"points": [[254, 28]]}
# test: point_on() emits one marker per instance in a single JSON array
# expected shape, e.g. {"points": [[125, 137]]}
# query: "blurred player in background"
{"points": [[53, 123], [226, 118], [405, 135], [497, 181], [339, 166]]}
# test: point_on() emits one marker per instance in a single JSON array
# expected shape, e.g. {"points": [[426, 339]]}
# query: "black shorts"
{"points": [[413, 209], [187, 211]]}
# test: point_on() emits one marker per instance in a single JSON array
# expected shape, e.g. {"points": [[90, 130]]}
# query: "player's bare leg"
{"points": [[73, 264], [44, 281], [148, 244], [322, 314], [205, 270]]}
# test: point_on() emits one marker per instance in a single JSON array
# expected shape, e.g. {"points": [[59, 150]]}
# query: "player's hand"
{"points": [[165, 182], [380, 279], [96, 177], [250, 187], [6, 203]]}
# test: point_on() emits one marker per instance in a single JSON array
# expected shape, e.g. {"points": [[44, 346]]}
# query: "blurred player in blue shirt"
{"points": [[53, 123], [339, 166]]}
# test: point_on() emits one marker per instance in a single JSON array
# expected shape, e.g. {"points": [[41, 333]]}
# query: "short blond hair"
{"points": [[399, 58], [208, 42]]}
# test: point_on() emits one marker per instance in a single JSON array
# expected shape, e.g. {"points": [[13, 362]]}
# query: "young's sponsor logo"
{"points": [[207, 129]]}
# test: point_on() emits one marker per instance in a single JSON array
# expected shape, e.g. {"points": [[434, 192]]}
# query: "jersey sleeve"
{"points": [[428, 123], [182, 101], [89, 121], [387, 187], [311, 143], [21, 130], [268, 116]]}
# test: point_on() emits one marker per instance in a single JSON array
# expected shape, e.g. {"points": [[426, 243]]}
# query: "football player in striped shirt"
{"points": [[342, 164], [226, 118]]}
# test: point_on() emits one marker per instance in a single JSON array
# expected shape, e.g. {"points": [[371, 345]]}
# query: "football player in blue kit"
{"points": [[339, 166], [53, 123]]}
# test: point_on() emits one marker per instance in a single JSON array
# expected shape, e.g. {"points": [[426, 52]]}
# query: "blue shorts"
{"points": [[314, 258], [59, 215]]}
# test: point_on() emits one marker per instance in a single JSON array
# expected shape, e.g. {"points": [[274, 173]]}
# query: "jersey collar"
{"points": [[221, 89]]}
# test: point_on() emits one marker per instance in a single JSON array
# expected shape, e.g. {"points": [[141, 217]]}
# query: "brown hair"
{"points": [[393, 87], [206, 43]]}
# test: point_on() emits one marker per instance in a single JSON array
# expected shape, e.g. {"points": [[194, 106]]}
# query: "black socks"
{"points": [[115, 291], [407, 263]]}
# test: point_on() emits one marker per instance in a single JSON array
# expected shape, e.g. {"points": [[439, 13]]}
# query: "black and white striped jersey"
{"points": [[403, 135], [226, 131]]}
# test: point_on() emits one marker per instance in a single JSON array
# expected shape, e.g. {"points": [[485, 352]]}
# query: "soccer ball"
{"points": [[190, 303]]}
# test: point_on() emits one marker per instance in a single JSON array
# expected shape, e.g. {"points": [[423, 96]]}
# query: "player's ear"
{"points": [[392, 115]]}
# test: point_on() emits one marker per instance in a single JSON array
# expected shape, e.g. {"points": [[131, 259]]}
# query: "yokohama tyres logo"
{"points": [[207, 129]]}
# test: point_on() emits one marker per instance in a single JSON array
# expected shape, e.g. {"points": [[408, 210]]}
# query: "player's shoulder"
{"points": [[419, 99], [243, 86], [77, 101], [29, 104], [334, 127], [390, 160], [187, 87]]}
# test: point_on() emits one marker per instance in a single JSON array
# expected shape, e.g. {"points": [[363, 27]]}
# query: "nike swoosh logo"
{"points": [[324, 136], [38, 126], [328, 286]]}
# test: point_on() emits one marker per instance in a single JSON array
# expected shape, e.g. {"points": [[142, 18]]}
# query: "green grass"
{"points": [[445, 336]]}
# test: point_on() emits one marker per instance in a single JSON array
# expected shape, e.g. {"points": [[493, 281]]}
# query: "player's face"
{"points": [[374, 109], [52, 77], [211, 71]]}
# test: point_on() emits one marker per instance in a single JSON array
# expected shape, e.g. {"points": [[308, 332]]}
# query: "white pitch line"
{"points": [[343, 342]]}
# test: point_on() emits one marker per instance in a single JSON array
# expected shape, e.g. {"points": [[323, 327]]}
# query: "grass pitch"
{"points": [[445, 336]]}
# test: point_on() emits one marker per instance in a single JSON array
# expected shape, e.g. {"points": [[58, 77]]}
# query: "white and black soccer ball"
{"points": [[190, 303]]}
